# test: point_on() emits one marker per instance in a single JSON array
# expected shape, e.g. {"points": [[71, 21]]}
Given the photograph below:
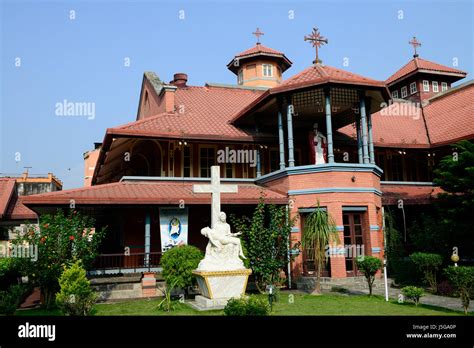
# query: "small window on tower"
{"points": [[395, 94], [412, 87], [435, 86], [426, 86], [404, 91], [444, 86], [240, 77], [267, 70]]}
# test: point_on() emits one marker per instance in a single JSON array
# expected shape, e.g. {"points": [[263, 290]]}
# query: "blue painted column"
{"points": [[291, 150], [281, 140], [363, 120], [370, 137], [359, 139], [259, 166], [147, 238], [327, 96]]}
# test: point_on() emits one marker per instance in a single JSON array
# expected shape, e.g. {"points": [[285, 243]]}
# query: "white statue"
{"points": [[224, 249], [320, 146]]}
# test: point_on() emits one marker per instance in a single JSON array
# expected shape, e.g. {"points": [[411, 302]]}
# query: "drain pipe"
{"points": [[384, 255], [289, 251]]}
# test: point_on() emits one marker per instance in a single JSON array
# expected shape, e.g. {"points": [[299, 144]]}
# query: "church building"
{"points": [[323, 136]]}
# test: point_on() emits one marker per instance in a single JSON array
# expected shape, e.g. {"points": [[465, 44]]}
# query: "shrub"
{"points": [[9, 272], [445, 288], [404, 272], [76, 296], [413, 293], [428, 264], [369, 266], [462, 279], [178, 264], [251, 306], [10, 299]]}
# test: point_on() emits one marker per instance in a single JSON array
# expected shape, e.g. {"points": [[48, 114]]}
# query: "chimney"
{"points": [[180, 80]]}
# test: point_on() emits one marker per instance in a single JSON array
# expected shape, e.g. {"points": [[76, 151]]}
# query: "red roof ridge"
{"points": [[450, 91], [8, 188]]}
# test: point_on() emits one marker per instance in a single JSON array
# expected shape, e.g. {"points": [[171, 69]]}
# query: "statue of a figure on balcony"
{"points": [[318, 146]]}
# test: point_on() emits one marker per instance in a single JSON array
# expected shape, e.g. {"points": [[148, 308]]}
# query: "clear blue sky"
{"points": [[82, 60]]}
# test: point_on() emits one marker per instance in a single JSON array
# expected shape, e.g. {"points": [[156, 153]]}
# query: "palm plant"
{"points": [[319, 232]]}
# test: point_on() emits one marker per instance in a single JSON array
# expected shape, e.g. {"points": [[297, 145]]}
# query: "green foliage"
{"points": [[319, 232], [265, 241], [167, 304], [9, 272], [11, 298], [251, 306], [413, 293], [60, 239], [178, 264], [429, 265], [462, 279], [404, 271], [76, 296], [369, 266]]}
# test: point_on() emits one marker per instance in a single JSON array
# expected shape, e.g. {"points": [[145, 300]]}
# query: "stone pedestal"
{"points": [[148, 284], [217, 287]]}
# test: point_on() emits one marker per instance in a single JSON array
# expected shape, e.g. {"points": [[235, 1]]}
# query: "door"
{"points": [[353, 241]]}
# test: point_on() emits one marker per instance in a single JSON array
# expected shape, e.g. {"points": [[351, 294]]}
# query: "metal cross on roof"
{"points": [[317, 40], [258, 33], [415, 43]]}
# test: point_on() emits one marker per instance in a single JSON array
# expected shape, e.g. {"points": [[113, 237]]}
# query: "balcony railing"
{"points": [[122, 263]]}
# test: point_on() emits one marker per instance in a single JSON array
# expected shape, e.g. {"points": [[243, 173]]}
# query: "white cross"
{"points": [[215, 188]]}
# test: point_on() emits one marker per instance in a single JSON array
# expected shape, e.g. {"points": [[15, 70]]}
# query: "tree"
{"points": [[369, 266], [462, 279], [60, 239], [429, 265], [265, 242], [319, 232]]}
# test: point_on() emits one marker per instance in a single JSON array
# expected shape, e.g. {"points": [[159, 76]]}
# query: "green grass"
{"points": [[327, 304]]}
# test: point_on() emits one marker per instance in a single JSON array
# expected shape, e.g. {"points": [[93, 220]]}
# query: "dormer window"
{"points": [[267, 70], [426, 86], [435, 86], [444, 86], [412, 87], [404, 91], [395, 94]]}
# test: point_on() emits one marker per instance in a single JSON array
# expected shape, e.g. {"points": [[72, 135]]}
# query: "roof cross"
{"points": [[415, 43], [258, 33], [317, 40]]}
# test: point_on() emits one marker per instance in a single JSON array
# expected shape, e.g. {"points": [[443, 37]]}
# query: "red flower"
{"points": [[43, 239], [71, 237], [46, 225]]}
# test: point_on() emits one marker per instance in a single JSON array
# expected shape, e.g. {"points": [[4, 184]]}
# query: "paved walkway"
{"points": [[428, 299]]}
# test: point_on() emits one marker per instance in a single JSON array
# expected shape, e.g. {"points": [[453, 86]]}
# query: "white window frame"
{"points": [[413, 89], [426, 86], [435, 86], [404, 91], [190, 161], [199, 158], [240, 77], [395, 94], [444, 86], [267, 68]]}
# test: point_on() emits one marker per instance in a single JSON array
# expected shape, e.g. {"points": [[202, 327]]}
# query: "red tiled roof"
{"points": [[202, 112], [450, 115], [257, 49], [7, 187], [318, 74], [11, 206], [411, 194], [419, 64], [152, 192]]}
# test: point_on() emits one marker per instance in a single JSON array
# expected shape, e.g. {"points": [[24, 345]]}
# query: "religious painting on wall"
{"points": [[173, 227]]}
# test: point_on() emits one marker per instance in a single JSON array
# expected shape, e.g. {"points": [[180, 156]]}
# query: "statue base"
{"points": [[218, 287]]}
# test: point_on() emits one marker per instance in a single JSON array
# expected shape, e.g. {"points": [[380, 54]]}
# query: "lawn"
{"points": [[289, 304]]}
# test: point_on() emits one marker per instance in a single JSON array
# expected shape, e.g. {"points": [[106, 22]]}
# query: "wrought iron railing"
{"points": [[137, 261]]}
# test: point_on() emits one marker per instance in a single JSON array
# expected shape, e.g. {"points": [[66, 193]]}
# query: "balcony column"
{"points": [[259, 166], [327, 97], [359, 139], [147, 238], [291, 151], [281, 139], [369, 128], [363, 120]]}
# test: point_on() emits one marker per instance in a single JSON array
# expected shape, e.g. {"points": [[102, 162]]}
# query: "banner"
{"points": [[173, 227]]}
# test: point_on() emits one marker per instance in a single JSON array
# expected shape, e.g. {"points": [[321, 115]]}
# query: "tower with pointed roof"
{"points": [[259, 66], [420, 79]]}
